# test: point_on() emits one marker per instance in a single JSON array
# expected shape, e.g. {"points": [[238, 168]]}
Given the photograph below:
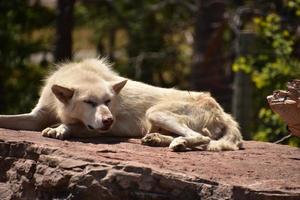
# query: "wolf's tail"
{"points": [[232, 138]]}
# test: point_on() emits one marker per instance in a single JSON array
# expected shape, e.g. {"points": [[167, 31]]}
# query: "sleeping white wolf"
{"points": [[89, 99]]}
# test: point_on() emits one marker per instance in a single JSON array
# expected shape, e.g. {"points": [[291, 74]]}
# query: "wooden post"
{"points": [[242, 103]]}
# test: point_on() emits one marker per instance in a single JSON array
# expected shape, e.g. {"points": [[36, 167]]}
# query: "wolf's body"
{"points": [[85, 95]]}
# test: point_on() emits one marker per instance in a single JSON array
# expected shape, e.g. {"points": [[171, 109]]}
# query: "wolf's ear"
{"points": [[62, 93], [117, 87]]}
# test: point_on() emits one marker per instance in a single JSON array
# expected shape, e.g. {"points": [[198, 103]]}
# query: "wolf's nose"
{"points": [[107, 121]]}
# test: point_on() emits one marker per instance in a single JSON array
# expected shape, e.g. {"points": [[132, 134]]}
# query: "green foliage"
{"points": [[294, 5], [19, 79], [144, 37], [271, 66]]}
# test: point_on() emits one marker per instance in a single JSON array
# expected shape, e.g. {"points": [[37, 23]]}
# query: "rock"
{"points": [[287, 105], [35, 167]]}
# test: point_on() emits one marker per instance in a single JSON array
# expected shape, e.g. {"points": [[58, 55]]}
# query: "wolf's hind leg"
{"points": [[161, 116], [36, 120], [183, 143]]}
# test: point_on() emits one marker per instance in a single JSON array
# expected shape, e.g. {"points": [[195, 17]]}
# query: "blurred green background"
{"points": [[240, 51]]}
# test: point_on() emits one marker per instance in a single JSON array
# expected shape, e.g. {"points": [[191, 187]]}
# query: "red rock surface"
{"points": [[34, 167]]}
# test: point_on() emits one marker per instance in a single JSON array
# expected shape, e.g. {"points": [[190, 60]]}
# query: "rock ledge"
{"points": [[34, 167]]}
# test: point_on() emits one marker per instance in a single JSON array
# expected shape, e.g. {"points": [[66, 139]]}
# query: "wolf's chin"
{"points": [[105, 128]]}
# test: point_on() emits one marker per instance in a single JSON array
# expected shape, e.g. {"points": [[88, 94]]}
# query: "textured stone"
{"points": [[34, 167]]}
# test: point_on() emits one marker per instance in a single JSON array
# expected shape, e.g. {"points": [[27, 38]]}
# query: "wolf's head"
{"points": [[89, 102]]}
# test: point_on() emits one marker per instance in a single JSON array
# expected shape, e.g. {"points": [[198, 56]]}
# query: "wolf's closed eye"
{"points": [[92, 103]]}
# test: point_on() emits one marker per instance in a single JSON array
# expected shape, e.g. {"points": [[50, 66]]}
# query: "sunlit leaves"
{"points": [[242, 64], [294, 5], [272, 64]]}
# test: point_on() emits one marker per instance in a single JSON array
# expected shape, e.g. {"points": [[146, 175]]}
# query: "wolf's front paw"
{"points": [[178, 144], [61, 132]]}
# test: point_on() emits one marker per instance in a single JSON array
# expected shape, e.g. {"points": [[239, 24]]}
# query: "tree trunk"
{"points": [[2, 93], [208, 71], [64, 27], [111, 44]]}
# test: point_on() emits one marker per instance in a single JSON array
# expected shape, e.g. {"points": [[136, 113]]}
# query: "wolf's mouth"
{"points": [[105, 128], [90, 127]]}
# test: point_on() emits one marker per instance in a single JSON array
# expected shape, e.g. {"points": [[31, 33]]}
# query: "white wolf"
{"points": [[89, 99]]}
